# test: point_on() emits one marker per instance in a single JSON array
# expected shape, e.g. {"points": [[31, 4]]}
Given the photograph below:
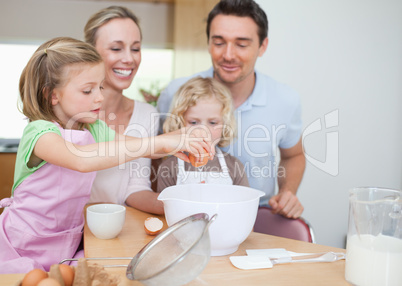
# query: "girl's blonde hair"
{"points": [[188, 95], [45, 71], [102, 17]]}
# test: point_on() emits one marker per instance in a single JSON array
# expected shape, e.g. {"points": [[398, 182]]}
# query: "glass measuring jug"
{"points": [[374, 242]]}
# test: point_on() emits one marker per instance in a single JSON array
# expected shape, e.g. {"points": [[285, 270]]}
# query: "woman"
{"points": [[116, 35]]}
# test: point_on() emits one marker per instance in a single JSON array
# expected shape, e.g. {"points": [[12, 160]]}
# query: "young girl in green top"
{"points": [[61, 147]]}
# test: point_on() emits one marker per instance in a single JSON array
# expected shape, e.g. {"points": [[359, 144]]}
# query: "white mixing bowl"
{"points": [[236, 207]]}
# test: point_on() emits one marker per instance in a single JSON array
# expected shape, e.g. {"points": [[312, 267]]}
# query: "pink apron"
{"points": [[43, 222]]}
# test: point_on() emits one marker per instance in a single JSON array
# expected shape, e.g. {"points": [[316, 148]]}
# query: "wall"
{"points": [[40, 20], [345, 59]]}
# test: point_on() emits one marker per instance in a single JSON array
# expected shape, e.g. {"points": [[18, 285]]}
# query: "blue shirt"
{"points": [[268, 119]]}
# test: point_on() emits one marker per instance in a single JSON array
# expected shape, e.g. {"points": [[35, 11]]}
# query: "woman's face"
{"points": [[119, 43]]}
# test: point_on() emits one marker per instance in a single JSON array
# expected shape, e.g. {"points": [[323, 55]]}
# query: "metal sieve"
{"points": [[176, 256]]}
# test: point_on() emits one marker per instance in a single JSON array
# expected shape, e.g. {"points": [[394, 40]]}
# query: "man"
{"points": [[268, 113]]}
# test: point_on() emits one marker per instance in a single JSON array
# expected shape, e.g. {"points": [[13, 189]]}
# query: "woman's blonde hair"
{"points": [[188, 95], [102, 17], [45, 71]]}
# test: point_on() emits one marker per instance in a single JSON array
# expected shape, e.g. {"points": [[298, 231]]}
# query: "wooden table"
{"points": [[219, 270]]}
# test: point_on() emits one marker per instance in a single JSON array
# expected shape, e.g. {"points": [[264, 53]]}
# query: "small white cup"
{"points": [[106, 220]]}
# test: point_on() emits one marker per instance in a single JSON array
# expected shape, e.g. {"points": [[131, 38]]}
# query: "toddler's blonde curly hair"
{"points": [[188, 95]]}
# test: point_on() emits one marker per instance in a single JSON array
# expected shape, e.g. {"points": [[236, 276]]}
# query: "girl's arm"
{"points": [[53, 149]]}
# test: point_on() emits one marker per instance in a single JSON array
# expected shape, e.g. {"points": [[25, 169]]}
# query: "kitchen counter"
{"points": [[9, 145]]}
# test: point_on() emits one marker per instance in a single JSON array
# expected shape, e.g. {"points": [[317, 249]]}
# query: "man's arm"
{"points": [[290, 174]]}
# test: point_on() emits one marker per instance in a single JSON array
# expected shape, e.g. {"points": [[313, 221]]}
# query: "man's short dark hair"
{"points": [[241, 8]]}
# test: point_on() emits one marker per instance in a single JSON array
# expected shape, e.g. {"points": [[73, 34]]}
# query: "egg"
{"points": [[49, 282], [153, 225], [195, 163], [33, 277], [67, 273]]}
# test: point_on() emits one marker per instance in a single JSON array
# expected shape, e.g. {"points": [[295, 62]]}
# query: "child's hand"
{"points": [[194, 139]]}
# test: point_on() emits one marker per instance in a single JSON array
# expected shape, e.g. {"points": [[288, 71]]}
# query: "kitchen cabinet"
{"points": [[7, 163], [189, 37]]}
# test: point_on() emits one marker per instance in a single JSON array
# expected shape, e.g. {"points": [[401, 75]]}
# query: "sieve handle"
{"points": [[100, 258]]}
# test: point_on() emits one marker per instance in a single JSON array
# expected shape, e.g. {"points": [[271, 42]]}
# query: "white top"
{"points": [[115, 184]]}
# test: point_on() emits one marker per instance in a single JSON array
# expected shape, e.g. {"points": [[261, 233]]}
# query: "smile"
{"points": [[123, 72], [229, 67]]}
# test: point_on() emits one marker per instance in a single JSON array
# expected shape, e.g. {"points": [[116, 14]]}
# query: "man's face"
{"points": [[234, 47]]}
